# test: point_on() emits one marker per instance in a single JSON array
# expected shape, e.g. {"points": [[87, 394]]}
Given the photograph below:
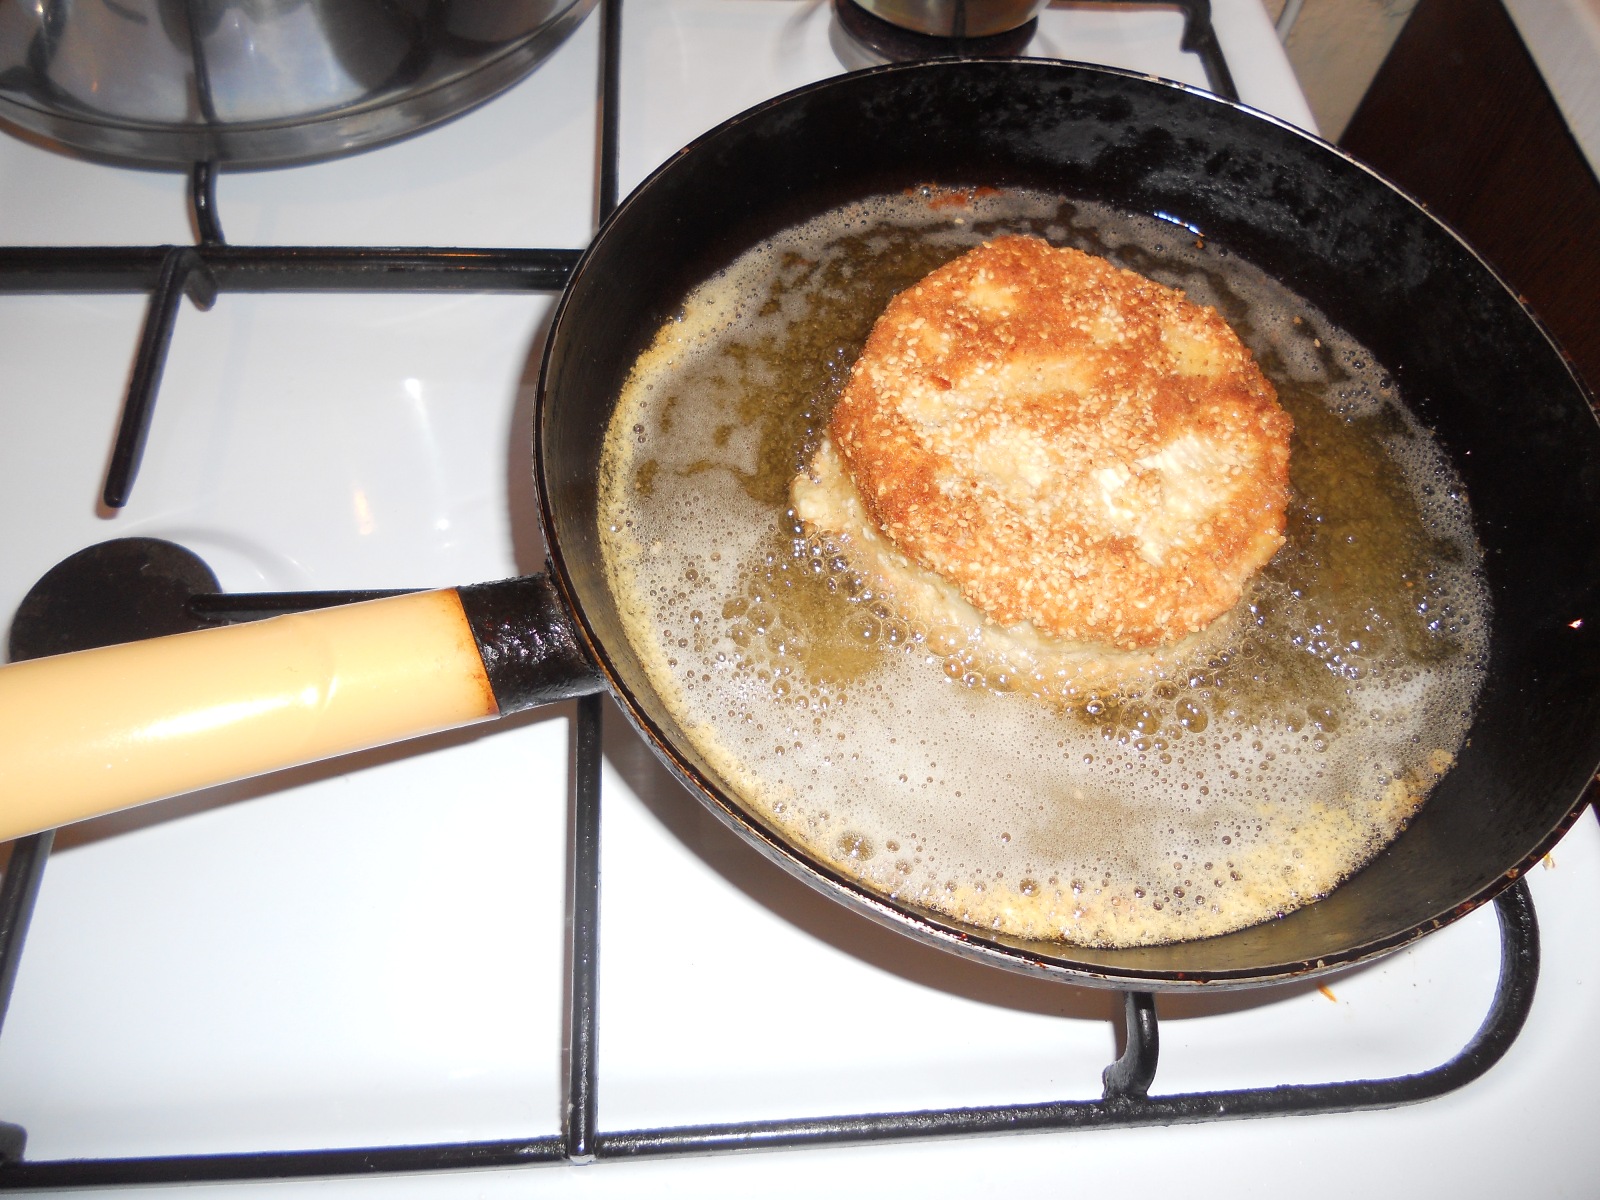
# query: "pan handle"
{"points": [[101, 730]]}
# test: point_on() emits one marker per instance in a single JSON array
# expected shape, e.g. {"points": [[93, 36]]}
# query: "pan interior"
{"points": [[1081, 134], [1231, 781]]}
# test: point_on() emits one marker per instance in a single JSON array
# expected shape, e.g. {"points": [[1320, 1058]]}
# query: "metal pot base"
{"points": [[178, 91]]}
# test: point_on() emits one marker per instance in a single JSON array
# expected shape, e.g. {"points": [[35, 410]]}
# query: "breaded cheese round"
{"points": [[1074, 447]]}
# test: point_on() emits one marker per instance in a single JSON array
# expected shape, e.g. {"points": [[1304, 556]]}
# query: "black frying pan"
{"points": [[1468, 359], [1466, 355]]}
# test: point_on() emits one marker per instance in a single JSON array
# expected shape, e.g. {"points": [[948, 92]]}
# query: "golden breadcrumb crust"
{"points": [[1068, 443]]}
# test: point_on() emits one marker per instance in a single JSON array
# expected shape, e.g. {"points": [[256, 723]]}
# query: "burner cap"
{"points": [[895, 43], [117, 591]]}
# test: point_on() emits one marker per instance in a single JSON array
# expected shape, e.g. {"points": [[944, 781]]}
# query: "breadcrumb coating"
{"points": [[1074, 447]]}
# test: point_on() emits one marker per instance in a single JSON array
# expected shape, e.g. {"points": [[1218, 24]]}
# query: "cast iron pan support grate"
{"points": [[1126, 1102], [211, 266]]}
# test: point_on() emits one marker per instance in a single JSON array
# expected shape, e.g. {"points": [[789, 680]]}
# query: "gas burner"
{"points": [[129, 589], [863, 39], [116, 591]]}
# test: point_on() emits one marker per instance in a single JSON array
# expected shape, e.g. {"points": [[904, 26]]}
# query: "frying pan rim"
{"points": [[966, 941]]}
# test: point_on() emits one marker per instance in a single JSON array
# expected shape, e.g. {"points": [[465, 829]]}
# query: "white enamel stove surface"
{"points": [[370, 952]]}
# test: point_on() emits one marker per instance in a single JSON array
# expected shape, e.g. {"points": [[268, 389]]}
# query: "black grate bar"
{"points": [[18, 891], [610, 104], [1134, 1071], [1519, 970], [203, 203], [110, 269], [224, 607], [181, 272], [302, 1164], [883, 1127], [583, 947], [1200, 37], [581, 1123]]}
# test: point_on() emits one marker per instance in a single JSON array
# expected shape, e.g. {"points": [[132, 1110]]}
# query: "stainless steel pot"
{"points": [[260, 82]]}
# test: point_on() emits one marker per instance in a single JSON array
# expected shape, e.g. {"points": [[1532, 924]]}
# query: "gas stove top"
{"points": [[370, 952]]}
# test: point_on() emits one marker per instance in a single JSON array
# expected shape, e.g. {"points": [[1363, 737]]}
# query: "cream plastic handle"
{"points": [[100, 730]]}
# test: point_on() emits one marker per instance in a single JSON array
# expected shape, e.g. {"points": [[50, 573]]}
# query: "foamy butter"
{"points": [[1229, 782]]}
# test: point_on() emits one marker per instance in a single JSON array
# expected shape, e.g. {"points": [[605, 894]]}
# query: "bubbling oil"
{"points": [[1235, 780]]}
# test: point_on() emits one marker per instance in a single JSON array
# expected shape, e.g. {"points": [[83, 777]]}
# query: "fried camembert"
{"points": [[1084, 455]]}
